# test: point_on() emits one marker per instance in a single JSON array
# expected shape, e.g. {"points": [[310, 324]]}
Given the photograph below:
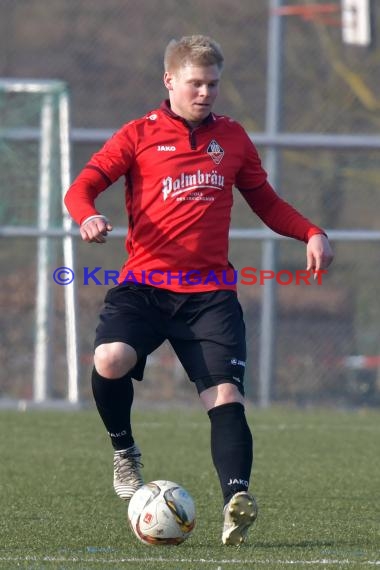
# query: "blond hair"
{"points": [[196, 50]]}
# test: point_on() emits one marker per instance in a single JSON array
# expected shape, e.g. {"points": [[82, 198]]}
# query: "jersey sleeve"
{"points": [[278, 215], [251, 174], [106, 166], [275, 212]]}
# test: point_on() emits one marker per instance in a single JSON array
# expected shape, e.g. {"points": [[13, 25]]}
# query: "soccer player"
{"points": [[180, 162]]}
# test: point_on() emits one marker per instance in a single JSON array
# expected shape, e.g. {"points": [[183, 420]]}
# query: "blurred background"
{"points": [[325, 339]]}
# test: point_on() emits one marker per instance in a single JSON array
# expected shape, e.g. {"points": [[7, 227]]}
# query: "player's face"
{"points": [[192, 91]]}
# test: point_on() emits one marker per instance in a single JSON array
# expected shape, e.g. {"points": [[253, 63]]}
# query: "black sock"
{"points": [[114, 399], [231, 448]]}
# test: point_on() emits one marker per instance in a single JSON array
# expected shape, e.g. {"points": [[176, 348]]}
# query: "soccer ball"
{"points": [[161, 512]]}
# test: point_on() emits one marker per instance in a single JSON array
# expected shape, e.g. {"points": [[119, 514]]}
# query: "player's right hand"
{"points": [[95, 229]]}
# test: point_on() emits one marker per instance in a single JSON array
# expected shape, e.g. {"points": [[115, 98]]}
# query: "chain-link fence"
{"points": [[110, 54]]}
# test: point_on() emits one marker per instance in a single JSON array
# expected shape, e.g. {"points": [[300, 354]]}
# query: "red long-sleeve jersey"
{"points": [[178, 196]]}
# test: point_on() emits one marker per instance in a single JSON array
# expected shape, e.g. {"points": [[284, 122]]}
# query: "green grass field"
{"points": [[316, 478]]}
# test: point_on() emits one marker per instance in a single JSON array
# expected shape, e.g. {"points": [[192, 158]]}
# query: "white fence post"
{"points": [[68, 256], [43, 294]]}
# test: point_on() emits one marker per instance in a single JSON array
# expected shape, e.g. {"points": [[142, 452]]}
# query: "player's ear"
{"points": [[168, 80]]}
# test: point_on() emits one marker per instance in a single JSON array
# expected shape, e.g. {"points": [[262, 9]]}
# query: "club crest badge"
{"points": [[215, 151]]}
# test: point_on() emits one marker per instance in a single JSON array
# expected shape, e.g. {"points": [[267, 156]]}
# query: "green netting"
{"points": [[21, 137]]}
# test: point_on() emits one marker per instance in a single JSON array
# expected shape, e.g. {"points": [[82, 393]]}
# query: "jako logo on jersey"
{"points": [[186, 182], [164, 148], [215, 151]]}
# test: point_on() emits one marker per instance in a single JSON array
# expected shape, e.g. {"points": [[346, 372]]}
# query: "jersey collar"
{"points": [[165, 107]]}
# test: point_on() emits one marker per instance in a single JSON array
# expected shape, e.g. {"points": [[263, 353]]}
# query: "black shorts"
{"points": [[206, 330]]}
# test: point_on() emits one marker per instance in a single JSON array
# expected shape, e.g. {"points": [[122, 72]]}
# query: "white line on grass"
{"points": [[321, 562]]}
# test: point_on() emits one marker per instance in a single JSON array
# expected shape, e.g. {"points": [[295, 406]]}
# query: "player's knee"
{"points": [[225, 393], [114, 359]]}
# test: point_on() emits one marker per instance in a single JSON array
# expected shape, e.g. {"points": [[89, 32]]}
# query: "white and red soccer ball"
{"points": [[162, 512]]}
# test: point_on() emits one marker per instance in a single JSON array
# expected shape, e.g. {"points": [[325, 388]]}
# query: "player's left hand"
{"points": [[318, 253]]}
